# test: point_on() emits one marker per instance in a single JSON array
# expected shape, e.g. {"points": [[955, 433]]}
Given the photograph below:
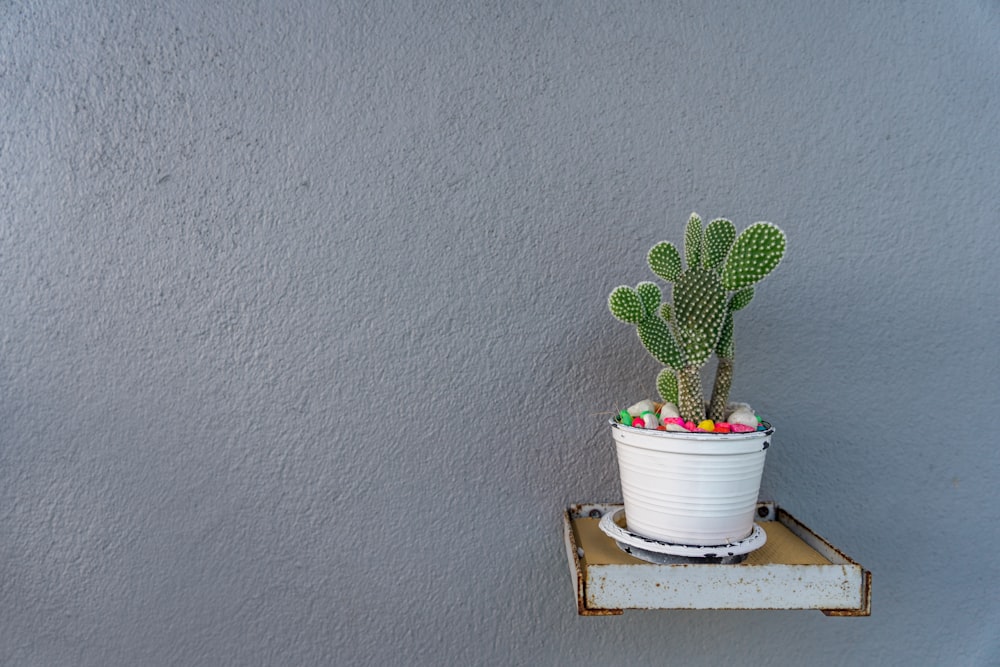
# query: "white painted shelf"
{"points": [[795, 569]]}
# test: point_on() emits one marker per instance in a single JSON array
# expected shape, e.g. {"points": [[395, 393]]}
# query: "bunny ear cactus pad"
{"points": [[639, 306], [741, 299], [665, 261], [699, 309], [653, 331], [650, 295], [659, 341], [666, 385], [694, 241], [626, 305], [719, 237], [754, 255]]}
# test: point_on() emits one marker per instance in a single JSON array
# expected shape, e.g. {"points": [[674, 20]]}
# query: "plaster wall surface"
{"points": [[304, 344]]}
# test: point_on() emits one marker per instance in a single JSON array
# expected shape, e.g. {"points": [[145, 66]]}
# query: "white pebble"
{"points": [[676, 427], [733, 407], [744, 417], [669, 410], [640, 407]]}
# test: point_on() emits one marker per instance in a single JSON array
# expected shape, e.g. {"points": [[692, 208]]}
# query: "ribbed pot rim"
{"points": [[692, 443]]}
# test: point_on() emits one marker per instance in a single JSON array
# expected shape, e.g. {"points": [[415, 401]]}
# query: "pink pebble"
{"points": [[741, 428], [674, 420], [691, 426], [638, 423]]}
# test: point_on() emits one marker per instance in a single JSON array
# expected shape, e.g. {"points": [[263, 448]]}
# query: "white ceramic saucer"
{"points": [[658, 551]]}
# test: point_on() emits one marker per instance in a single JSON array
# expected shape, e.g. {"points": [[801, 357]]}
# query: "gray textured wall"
{"points": [[304, 345]]}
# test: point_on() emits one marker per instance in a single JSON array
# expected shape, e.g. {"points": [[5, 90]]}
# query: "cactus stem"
{"points": [[691, 402], [720, 390]]}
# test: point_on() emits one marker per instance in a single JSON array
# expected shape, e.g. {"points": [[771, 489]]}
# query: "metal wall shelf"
{"points": [[795, 569]]}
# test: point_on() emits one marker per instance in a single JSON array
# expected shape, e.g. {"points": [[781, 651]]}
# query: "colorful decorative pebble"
{"points": [[741, 419]]}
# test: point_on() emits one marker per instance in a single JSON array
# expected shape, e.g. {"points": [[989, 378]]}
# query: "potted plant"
{"points": [[690, 466]]}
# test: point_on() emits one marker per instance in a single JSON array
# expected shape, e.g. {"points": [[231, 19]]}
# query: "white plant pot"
{"points": [[690, 488]]}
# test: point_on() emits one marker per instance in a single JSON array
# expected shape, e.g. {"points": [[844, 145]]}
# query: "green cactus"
{"points": [[721, 268]]}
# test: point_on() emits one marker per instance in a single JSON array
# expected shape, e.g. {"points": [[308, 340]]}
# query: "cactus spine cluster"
{"points": [[721, 269]]}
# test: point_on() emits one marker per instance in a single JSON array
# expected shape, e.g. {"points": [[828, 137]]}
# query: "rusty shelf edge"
{"points": [[572, 551], [866, 600]]}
